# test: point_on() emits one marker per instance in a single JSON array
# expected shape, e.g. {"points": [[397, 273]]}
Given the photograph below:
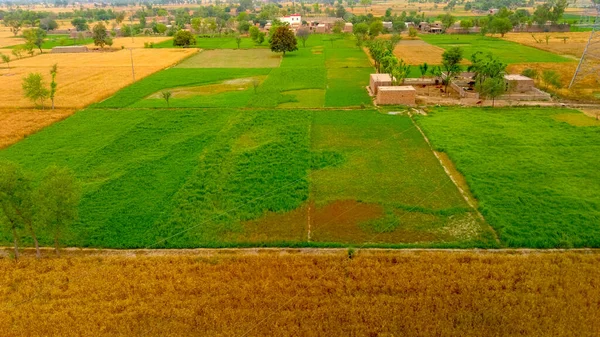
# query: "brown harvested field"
{"points": [[585, 90], [302, 293], [18, 123], [7, 38], [138, 42], [574, 46], [88, 77], [416, 52]]}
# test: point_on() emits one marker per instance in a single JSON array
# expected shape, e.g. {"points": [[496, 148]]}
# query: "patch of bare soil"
{"points": [[340, 221], [275, 227]]}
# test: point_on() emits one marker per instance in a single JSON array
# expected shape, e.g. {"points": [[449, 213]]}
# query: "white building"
{"points": [[294, 19]]}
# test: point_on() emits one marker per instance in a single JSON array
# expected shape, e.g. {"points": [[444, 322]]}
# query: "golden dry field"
{"points": [[87, 77], [584, 90], [301, 293], [574, 45], [136, 42], [7, 38], [82, 79], [416, 52], [18, 123]]}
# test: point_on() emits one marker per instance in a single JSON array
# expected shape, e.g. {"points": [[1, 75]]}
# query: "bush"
{"points": [[183, 38]]}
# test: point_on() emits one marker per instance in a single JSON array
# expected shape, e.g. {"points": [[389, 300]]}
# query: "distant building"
{"points": [[294, 19], [388, 25], [348, 27]]}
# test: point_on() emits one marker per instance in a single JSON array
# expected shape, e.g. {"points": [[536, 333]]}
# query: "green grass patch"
{"points": [[173, 78], [506, 51], [346, 87], [536, 178], [238, 58], [57, 40]]}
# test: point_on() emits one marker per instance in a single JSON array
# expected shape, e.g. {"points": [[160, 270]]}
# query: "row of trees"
{"points": [[28, 207]]}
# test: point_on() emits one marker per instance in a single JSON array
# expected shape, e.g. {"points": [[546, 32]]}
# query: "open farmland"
{"points": [[301, 293], [82, 79], [85, 78], [217, 43], [259, 163], [7, 38], [280, 174], [506, 51], [415, 52], [534, 173], [573, 46]]}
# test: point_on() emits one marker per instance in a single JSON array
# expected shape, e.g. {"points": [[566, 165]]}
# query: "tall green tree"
{"points": [[16, 203], [35, 37], [500, 26], [100, 35], [59, 194], [492, 87], [53, 85], [80, 24], [451, 59], [447, 20], [34, 89], [283, 40]]}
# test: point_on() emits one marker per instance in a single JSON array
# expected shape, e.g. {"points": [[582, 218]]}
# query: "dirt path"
{"points": [[48, 252], [453, 175]]}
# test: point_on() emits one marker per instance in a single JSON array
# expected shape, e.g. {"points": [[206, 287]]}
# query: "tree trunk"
{"points": [[38, 254], [16, 242], [53, 103], [56, 246]]}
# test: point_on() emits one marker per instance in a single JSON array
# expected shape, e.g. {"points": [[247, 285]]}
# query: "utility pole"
{"points": [[132, 69], [588, 64]]}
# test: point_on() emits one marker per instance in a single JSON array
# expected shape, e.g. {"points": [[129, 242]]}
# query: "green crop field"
{"points": [[197, 177], [325, 73], [506, 51], [252, 156], [56, 40], [290, 151], [534, 172], [238, 58]]}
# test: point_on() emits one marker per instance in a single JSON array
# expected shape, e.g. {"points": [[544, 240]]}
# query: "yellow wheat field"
{"points": [[416, 52], [585, 90], [85, 78], [136, 42], [19, 123], [7, 38], [303, 294], [574, 45]]}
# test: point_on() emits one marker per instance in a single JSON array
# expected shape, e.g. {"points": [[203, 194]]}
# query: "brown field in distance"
{"points": [[302, 293], [415, 52], [574, 46], [82, 79], [136, 42], [7, 38]]}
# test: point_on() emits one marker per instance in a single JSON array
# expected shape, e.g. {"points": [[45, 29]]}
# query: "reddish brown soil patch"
{"points": [[340, 220], [274, 227]]}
